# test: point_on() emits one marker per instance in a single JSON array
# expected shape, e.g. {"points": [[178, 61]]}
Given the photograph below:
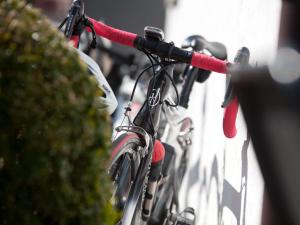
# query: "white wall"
{"points": [[223, 182]]}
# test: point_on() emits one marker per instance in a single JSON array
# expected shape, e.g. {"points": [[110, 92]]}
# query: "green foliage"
{"points": [[53, 141]]}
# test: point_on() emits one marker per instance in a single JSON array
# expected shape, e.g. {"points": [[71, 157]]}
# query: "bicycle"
{"points": [[136, 152], [178, 132]]}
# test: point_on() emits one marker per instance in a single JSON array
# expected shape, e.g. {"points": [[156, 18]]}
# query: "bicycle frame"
{"points": [[149, 115]]}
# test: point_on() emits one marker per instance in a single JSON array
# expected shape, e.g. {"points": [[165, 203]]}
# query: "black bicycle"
{"points": [[140, 162], [176, 134]]}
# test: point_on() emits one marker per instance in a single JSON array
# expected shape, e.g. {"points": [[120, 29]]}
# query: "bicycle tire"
{"points": [[128, 144], [123, 181], [132, 211], [124, 163]]}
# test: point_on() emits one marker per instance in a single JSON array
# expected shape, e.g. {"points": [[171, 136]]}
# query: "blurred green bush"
{"points": [[53, 141]]}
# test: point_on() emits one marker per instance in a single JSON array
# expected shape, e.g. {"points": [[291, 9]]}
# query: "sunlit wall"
{"points": [[224, 183]]}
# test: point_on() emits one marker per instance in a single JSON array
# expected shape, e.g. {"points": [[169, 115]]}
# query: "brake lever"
{"points": [[242, 59], [229, 94]]}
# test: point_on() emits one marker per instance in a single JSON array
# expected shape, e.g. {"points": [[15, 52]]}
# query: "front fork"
{"points": [[158, 156], [150, 172]]}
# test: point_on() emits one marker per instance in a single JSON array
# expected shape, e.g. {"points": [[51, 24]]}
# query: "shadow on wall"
{"points": [[227, 196]]}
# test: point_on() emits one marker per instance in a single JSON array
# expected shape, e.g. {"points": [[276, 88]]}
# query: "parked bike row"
{"points": [[153, 137]]}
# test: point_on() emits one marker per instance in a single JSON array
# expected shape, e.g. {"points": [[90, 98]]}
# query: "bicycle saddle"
{"points": [[197, 43]]}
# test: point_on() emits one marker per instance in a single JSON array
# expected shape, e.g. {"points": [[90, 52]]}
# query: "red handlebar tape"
{"points": [[209, 63], [229, 119], [120, 142], [126, 38], [115, 35]]}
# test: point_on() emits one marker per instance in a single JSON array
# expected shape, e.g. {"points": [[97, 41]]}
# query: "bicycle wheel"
{"points": [[132, 213], [129, 171], [125, 160]]}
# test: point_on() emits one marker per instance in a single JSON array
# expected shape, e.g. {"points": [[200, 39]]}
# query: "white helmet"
{"points": [[109, 101]]}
